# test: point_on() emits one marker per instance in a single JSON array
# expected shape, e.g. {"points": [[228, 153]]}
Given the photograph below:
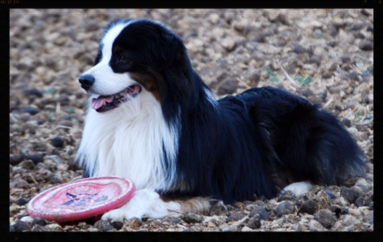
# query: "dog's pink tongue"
{"points": [[97, 103]]}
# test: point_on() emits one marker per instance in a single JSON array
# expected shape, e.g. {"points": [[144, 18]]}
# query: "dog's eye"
{"points": [[123, 58]]}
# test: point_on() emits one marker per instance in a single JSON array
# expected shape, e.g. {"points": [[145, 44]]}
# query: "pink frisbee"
{"points": [[81, 199]]}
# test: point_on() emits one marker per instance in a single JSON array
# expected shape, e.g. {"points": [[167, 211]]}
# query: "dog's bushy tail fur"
{"points": [[310, 143]]}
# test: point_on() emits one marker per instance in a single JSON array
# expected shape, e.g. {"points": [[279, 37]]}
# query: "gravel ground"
{"points": [[325, 56]]}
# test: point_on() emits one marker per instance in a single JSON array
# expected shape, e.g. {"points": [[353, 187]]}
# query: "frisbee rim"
{"points": [[115, 202]]}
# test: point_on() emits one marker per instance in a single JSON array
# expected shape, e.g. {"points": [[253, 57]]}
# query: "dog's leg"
{"points": [[145, 201], [298, 188]]}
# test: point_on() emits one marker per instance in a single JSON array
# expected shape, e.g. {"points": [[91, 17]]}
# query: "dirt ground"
{"points": [[324, 55]]}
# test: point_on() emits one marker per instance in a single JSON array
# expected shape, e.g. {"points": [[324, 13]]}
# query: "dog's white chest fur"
{"points": [[129, 142]]}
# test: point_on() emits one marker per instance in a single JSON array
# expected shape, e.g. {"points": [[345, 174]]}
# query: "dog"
{"points": [[153, 120]]}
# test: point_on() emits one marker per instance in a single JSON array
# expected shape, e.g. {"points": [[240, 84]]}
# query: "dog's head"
{"points": [[134, 56]]}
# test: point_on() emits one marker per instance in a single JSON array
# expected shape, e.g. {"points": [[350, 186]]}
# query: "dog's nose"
{"points": [[86, 81]]}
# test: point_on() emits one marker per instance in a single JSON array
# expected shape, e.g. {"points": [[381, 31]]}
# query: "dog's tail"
{"points": [[310, 143]]}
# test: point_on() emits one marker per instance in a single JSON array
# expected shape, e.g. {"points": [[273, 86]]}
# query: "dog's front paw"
{"points": [[120, 214], [298, 188]]}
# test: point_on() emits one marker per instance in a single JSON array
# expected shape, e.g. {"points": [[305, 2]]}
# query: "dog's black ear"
{"points": [[172, 48]]}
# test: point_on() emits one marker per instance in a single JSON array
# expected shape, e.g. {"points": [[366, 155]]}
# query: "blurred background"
{"points": [[324, 55]]}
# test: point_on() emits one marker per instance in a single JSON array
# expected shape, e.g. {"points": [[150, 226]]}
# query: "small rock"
{"points": [[246, 229], [337, 210], [39, 221], [285, 208], [39, 228], [309, 207], [363, 201], [20, 183], [54, 228], [352, 76], [253, 77], [345, 210], [325, 217], [14, 159], [173, 221], [117, 225], [27, 164], [371, 206], [316, 226], [188, 230], [37, 158], [57, 142], [261, 212], [235, 217], [315, 59], [27, 219], [134, 223], [22, 201], [349, 194], [254, 222], [35, 92], [366, 45], [307, 93], [365, 12], [192, 218], [282, 19], [298, 49], [228, 44], [21, 226], [347, 123], [103, 225], [218, 209], [227, 87], [31, 111], [345, 59]]}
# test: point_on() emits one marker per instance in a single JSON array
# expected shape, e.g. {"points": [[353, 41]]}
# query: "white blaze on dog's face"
{"points": [[107, 82]]}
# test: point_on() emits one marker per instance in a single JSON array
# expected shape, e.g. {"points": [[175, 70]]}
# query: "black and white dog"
{"points": [[151, 119]]}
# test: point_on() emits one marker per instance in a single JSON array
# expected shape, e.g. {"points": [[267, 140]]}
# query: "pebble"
{"points": [[21, 226], [366, 45], [316, 226], [173, 220], [235, 217], [349, 194], [117, 225], [29, 110], [54, 227], [14, 159], [37, 158], [352, 76], [27, 164], [227, 87], [57, 142], [218, 209], [286, 207], [309, 207], [228, 44], [347, 123], [39, 228], [261, 212], [363, 201], [134, 223], [39, 221], [22, 201], [35, 92], [325, 217], [337, 210], [103, 225], [254, 222], [27, 219], [192, 218]]}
